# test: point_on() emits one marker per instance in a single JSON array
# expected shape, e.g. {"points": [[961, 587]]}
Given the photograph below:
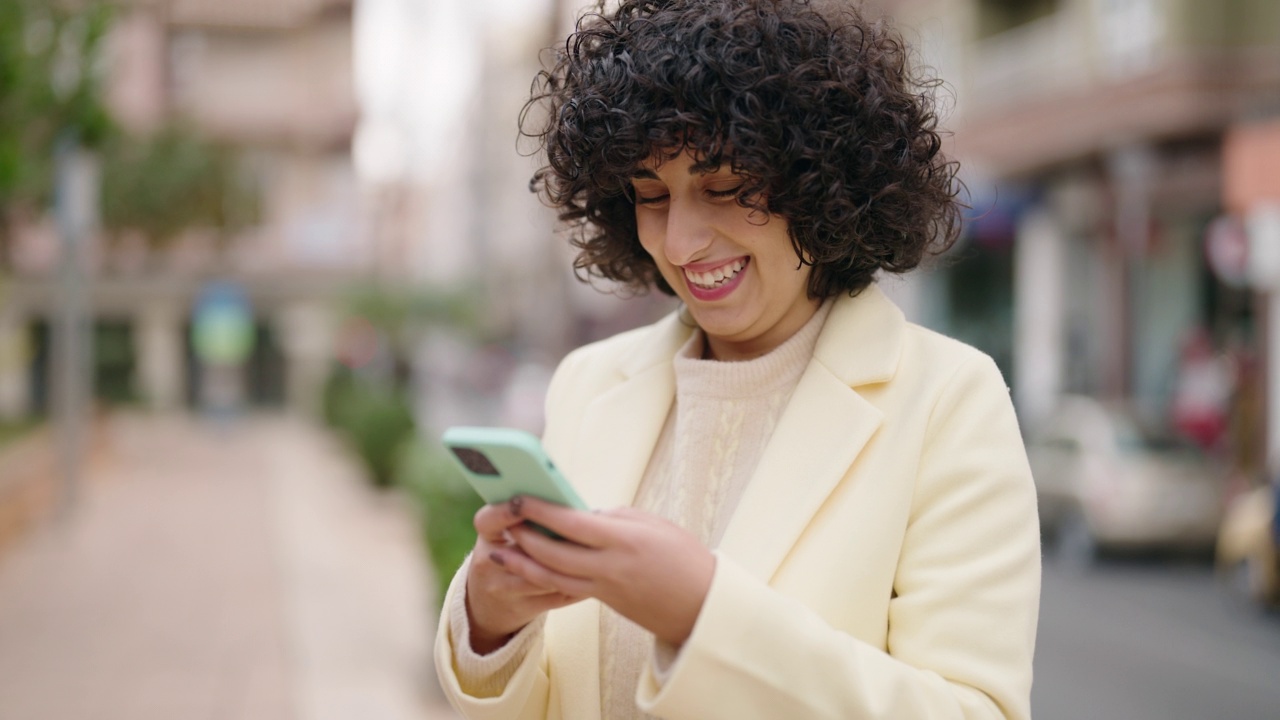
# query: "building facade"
{"points": [[1091, 133]]}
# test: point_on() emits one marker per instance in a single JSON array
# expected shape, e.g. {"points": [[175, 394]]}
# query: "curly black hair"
{"points": [[818, 108]]}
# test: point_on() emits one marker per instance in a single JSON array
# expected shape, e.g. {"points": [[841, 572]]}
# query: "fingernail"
{"points": [[517, 503], [497, 558]]}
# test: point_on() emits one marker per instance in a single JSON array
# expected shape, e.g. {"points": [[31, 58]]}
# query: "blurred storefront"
{"points": [[1092, 133]]}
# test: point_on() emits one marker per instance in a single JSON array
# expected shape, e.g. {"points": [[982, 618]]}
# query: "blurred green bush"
{"points": [[446, 505], [368, 407], [376, 422], [373, 417]]}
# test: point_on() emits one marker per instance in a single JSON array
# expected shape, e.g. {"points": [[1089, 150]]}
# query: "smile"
{"points": [[717, 277]]}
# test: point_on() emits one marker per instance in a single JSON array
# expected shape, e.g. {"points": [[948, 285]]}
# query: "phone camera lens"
{"points": [[475, 461]]}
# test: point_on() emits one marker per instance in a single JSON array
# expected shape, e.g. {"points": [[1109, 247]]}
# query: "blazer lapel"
{"points": [[621, 426], [820, 434]]}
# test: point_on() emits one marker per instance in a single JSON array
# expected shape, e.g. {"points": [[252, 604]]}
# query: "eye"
{"points": [[649, 193], [652, 199], [724, 194]]}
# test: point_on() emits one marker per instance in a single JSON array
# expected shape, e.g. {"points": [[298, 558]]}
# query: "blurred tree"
{"points": [[50, 86], [174, 180], [401, 315]]}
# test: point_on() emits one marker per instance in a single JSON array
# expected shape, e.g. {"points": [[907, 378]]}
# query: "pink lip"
{"points": [[706, 295]]}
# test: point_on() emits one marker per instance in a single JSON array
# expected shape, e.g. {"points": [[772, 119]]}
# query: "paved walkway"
{"points": [[220, 574]]}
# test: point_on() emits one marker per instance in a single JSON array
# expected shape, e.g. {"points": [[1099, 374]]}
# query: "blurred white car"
{"points": [[1105, 484]]}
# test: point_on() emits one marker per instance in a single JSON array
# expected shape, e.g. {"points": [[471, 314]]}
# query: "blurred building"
{"points": [[1091, 133], [271, 77], [443, 87]]}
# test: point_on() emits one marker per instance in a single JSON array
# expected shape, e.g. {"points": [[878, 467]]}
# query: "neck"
{"points": [[729, 350]]}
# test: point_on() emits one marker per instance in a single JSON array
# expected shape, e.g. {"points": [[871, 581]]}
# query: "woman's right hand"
{"points": [[498, 602]]}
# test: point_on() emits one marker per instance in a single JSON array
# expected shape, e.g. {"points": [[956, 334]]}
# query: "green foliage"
{"points": [[398, 312], [376, 422], [50, 89], [446, 504], [11, 430], [50, 86], [334, 397], [375, 419], [174, 180]]}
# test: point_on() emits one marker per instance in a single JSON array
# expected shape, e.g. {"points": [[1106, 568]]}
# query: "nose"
{"points": [[688, 233]]}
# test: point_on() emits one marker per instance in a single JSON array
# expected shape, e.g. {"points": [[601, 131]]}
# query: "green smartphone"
{"points": [[501, 463]]}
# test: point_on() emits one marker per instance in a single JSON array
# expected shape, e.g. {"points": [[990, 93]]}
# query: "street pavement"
{"points": [[236, 572], [248, 572], [1141, 639]]}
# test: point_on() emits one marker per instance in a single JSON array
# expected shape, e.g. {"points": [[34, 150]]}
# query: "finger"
{"points": [[584, 528], [525, 567], [492, 521], [497, 578], [563, 557], [514, 586]]}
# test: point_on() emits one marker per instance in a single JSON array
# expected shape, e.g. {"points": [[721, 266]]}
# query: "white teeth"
{"points": [[716, 277]]}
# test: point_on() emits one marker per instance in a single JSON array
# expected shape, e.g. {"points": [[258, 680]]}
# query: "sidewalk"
{"points": [[247, 573]]}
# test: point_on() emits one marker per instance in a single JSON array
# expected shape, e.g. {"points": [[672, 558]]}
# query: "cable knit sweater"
{"points": [[719, 424]]}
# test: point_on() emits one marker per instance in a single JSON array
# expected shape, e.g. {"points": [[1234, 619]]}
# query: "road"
{"points": [[1143, 640]]}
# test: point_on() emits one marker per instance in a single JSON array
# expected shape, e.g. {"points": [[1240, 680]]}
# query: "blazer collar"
{"points": [[659, 345], [862, 340], [621, 426]]}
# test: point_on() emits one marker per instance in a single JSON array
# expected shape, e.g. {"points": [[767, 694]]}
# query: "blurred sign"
{"points": [[1246, 252], [222, 329], [1226, 247]]}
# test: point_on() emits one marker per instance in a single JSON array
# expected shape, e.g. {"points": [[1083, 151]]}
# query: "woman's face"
{"points": [[732, 266]]}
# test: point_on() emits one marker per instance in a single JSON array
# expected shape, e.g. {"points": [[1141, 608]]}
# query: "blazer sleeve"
{"points": [[962, 619], [526, 693]]}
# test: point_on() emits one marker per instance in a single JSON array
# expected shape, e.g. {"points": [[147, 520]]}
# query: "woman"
{"points": [[826, 511]]}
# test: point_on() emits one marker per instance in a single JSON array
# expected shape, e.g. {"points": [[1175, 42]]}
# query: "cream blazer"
{"points": [[884, 561]]}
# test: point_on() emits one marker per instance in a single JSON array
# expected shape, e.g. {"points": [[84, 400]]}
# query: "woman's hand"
{"points": [[647, 569], [500, 602]]}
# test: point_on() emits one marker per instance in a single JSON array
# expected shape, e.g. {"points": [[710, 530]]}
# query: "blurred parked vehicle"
{"points": [[1247, 556], [1104, 483]]}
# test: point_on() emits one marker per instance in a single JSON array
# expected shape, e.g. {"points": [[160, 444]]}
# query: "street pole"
{"points": [[1263, 223], [75, 207]]}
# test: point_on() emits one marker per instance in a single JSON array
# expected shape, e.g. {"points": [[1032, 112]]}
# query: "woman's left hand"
{"points": [[647, 569]]}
